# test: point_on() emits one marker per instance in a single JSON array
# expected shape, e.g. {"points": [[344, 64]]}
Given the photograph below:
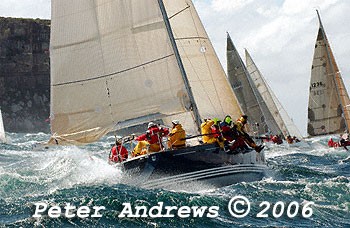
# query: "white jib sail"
{"points": [[278, 112], [2, 130], [212, 92]]}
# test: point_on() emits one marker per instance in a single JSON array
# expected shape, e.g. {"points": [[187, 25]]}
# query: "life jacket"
{"points": [[275, 139], [215, 129], [153, 135], [118, 154], [206, 129], [240, 126], [227, 131], [331, 143], [175, 136]]}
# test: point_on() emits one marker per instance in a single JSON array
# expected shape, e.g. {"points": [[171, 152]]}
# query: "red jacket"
{"points": [[227, 131], [331, 143], [215, 130], [123, 154], [153, 135]]}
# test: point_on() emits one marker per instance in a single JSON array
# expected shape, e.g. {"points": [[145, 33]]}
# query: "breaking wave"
{"points": [[304, 172]]}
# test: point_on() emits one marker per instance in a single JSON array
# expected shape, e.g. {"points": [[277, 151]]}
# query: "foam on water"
{"points": [[304, 172], [56, 168]]}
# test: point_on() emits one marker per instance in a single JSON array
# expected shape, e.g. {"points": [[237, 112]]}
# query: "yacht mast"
{"points": [[332, 67], [194, 108]]}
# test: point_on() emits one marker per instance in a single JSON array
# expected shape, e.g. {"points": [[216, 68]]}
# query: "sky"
{"points": [[279, 34]]}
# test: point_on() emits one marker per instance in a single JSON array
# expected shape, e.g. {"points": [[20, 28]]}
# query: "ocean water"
{"points": [[82, 176]]}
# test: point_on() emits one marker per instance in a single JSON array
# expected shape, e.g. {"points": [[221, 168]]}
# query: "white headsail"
{"points": [[284, 122], [2, 130], [328, 109], [113, 65], [212, 92]]}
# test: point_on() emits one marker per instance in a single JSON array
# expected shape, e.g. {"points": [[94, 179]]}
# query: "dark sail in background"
{"points": [[260, 119]]}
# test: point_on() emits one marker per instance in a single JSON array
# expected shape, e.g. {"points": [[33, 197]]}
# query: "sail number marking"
{"points": [[318, 92], [317, 84]]}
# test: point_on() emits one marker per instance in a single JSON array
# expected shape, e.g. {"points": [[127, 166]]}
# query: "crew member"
{"points": [[118, 152], [177, 136], [277, 139], [226, 129], [331, 143], [216, 130], [290, 140], [153, 138], [207, 133], [295, 139], [240, 124]]}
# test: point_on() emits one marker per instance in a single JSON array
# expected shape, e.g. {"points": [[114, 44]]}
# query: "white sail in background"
{"points": [[279, 114], [2, 130], [328, 109], [211, 89], [260, 119], [113, 65]]}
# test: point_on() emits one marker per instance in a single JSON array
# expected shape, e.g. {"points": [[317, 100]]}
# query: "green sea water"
{"points": [[82, 176]]}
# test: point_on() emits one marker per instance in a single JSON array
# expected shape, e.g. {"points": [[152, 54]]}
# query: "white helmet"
{"points": [[151, 124], [176, 122]]}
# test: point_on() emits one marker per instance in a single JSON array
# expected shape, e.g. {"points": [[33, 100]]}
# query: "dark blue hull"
{"points": [[203, 166]]}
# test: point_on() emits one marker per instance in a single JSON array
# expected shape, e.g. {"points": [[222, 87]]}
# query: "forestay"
{"points": [[281, 118], [111, 63], [328, 109], [212, 92]]}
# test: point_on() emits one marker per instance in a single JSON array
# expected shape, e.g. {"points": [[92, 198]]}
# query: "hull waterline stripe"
{"points": [[198, 177], [204, 175], [258, 166]]}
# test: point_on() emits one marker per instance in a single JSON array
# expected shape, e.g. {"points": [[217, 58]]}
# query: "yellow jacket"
{"points": [[240, 126], [206, 129], [176, 134]]}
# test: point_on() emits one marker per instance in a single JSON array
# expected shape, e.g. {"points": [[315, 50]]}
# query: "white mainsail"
{"points": [[279, 114], [113, 65], [2, 130], [260, 119], [328, 109]]}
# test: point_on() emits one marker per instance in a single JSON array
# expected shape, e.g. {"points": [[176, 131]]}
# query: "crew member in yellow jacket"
{"points": [[177, 136], [207, 133], [240, 125]]}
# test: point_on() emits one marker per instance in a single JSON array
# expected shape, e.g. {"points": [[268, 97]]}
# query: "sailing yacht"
{"points": [[328, 109], [2, 130], [260, 119], [280, 116], [117, 64]]}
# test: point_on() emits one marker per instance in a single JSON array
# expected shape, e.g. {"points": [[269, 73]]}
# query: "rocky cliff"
{"points": [[24, 74]]}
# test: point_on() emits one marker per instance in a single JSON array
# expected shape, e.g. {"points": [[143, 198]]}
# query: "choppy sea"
{"points": [[82, 176]]}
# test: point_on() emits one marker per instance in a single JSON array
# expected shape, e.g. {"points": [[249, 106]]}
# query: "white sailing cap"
{"points": [[151, 124], [176, 122]]}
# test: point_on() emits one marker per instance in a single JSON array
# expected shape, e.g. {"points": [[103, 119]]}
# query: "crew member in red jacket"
{"points": [[153, 138], [118, 152]]}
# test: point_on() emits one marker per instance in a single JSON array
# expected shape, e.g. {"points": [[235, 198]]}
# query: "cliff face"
{"points": [[24, 74]]}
